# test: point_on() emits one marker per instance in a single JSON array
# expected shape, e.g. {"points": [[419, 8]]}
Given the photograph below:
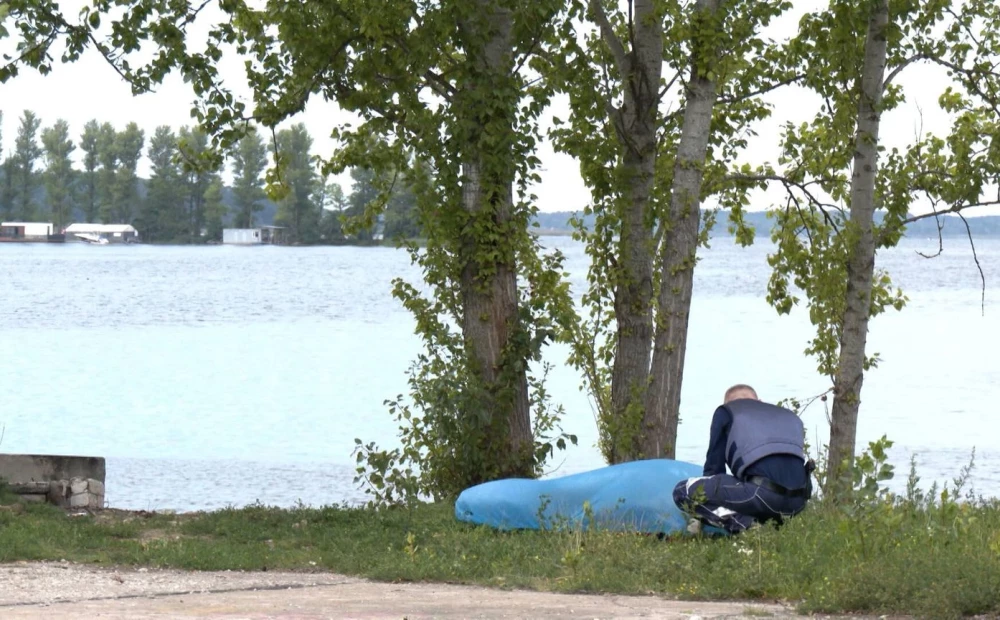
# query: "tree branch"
{"points": [[954, 209], [30, 51], [821, 396], [433, 80], [610, 38], [666, 87], [673, 116], [534, 42], [957, 209], [106, 54], [895, 72], [439, 85], [975, 257], [194, 14], [762, 90], [940, 226], [789, 184], [631, 24], [974, 79], [802, 218], [964, 25]]}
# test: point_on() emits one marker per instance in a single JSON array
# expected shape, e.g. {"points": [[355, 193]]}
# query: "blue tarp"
{"points": [[635, 496]]}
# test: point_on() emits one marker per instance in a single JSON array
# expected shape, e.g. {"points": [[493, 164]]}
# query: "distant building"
{"points": [[114, 233], [253, 236], [28, 231]]}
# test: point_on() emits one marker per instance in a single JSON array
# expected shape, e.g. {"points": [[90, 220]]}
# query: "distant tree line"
{"points": [[950, 223], [182, 201]]}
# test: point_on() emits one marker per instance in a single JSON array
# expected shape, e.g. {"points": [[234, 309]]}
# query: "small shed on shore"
{"points": [[262, 235], [115, 233], [26, 230]]}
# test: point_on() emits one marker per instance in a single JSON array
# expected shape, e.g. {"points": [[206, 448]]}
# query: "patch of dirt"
{"points": [[24, 583], [117, 515], [153, 535], [43, 590]]}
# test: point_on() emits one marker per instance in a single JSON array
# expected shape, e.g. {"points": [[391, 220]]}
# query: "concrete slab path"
{"points": [[63, 590]]}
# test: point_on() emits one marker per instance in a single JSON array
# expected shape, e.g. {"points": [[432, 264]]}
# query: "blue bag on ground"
{"points": [[636, 496]]}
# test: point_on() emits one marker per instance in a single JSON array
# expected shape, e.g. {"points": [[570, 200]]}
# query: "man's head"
{"points": [[740, 390]]}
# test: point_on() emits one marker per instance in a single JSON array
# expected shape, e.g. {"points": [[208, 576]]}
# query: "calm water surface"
{"points": [[214, 376]]}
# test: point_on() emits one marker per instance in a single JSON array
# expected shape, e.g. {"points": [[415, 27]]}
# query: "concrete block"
{"points": [[59, 493], [29, 488], [48, 467], [66, 481]]}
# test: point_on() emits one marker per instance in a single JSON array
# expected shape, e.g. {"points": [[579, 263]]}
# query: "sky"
{"points": [[90, 89]]}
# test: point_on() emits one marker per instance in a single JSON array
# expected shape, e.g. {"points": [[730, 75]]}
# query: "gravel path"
{"points": [[64, 590], [24, 583]]}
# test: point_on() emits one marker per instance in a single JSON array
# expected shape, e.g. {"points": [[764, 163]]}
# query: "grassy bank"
{"points": [[925, 558]]}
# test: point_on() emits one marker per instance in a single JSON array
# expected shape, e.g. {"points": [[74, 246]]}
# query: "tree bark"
{"points": [[635, 125], [677, 258], [488, 280], [861, 261]]}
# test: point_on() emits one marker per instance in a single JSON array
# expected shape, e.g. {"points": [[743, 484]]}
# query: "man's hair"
{"points": [[740, 388]]}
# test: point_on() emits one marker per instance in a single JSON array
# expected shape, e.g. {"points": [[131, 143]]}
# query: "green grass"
{"points": [[919, 558], [7, 497]]}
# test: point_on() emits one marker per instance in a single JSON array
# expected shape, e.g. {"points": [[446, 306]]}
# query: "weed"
{"points": [[7, 497]]}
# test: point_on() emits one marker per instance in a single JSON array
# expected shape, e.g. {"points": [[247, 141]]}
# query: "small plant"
{"points": [[757, 612], [862, 499], [411, 547], [543, 504], [7, 496], [574, 552], [453, 444]]}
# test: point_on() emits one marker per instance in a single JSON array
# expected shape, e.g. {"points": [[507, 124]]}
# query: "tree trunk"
{"points": [[678, 256], [861, 262], [636, 127], [489, 285]]}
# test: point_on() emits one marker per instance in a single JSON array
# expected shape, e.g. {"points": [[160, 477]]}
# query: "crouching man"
{"points": [[763, 446]]}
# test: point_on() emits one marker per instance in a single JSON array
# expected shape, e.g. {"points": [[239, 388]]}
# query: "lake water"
{"points": [[215, 376]]}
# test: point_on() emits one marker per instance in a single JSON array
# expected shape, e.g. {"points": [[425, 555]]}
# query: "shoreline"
{"points": [[391, 243]]}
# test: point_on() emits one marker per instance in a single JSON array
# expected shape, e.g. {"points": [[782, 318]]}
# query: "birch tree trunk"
{"points": [[635, 126], [677, 259], [861, 262], [488, 280]]}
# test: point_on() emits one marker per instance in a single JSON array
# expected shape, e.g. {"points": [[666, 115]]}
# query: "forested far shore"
{"points": [[43, 178], [950, 224]]}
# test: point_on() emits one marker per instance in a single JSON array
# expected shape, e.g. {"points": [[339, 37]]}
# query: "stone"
{"points": [[78, 485], [59, 493], [95, 486], [80, 501]]}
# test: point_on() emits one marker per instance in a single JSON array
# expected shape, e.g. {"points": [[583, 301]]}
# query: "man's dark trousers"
{"points": [[733, 505]]}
